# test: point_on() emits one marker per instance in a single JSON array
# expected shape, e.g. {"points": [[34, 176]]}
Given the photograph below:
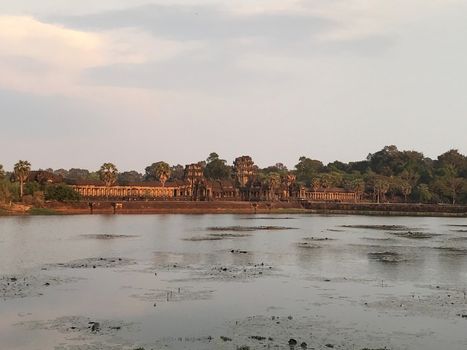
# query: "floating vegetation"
{"points": [[379, 227], [387, 257], [414, 234], [334, 230], [237, 251], [94, 263], [21, 286], [248, 228], [458, 238], [173, 295], [308, 245], [385, 239], [79, 325], [105, 236], [318, 239], [453, 250], [216, 237]]}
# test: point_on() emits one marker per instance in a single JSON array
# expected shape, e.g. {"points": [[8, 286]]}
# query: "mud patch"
{"points": [[227, 272], [178, 294], [380, 227], [296, 333], [458, 238], [106, 236], [452, 250], [376, 239], [96, 346], [414, 234], [386, 257], [440, 303], [248, 228], [93, 263], [216, 237], [238, 251], [21, 286], [82, 327], [318, 239], [308, 245]]}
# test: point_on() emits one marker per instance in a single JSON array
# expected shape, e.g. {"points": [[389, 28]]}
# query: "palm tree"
{"points": [[315, 184], [358, 186], [162, 172], [381, 187], [21, 170], [273, 182], [455, 185], [108, 174], [406, 189]]}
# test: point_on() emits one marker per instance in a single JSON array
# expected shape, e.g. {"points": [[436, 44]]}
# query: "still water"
{"points": [[232, 281]]}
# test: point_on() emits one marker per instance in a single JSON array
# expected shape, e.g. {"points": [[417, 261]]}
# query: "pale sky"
{"points": [[83, 82]]}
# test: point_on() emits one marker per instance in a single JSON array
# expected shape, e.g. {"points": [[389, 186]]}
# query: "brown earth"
{"points": [[238, 207]]}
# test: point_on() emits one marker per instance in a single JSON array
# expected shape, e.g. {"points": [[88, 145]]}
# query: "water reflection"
{"points": [[329, 277]]}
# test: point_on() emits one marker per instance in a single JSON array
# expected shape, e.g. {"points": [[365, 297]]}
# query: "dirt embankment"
{"points": [[238, 207], [183, 207], [390, 209]]}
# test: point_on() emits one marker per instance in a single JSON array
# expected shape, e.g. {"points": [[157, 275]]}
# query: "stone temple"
{"points": [[245, 185]]}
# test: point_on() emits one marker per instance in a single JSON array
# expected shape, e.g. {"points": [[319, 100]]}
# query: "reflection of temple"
{"points": [[245, 186]]}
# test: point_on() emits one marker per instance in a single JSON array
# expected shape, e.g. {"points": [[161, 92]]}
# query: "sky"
{"points": [[133, 82]]}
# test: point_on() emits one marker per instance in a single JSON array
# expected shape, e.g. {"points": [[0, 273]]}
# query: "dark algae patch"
{"points": [[249, 228], [92, 263], [386, 257], [414, 234], [216, 237], [106, 236], [379, 227]]}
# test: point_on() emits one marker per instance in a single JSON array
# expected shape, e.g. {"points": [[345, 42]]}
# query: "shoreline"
{"points": [[221, 207]]}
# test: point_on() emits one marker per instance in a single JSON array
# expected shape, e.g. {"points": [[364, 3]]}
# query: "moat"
{"points": [[244, 281]]}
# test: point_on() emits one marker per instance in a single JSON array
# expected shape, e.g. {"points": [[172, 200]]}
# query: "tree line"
{"points": [[388, 175]]}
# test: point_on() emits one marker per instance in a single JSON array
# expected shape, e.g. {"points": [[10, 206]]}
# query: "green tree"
{"points": [[61, 192], [424, 193], [216, 168], [177, 172], [307, 169], [380, 188], [358, 186], [21, 171], [158, 171], [406, 189], [128, 177], [2, 172], [326, 181], [108, 174], [273, 181]]}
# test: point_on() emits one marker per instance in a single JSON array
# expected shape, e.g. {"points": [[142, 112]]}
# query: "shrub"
{"points": [[61, 192]]}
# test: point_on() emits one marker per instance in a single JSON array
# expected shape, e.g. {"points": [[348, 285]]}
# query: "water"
{"points": [[180, 286]]}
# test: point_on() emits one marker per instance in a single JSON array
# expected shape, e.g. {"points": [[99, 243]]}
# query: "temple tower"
{"points": [[244, 170]]}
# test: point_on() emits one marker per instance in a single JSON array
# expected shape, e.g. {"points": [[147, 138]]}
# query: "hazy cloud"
{"points": [[139, 80]]}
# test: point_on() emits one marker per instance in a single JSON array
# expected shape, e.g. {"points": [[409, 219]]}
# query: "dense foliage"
{"points": [[61, 192], [394, 175], [389, 175]]}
